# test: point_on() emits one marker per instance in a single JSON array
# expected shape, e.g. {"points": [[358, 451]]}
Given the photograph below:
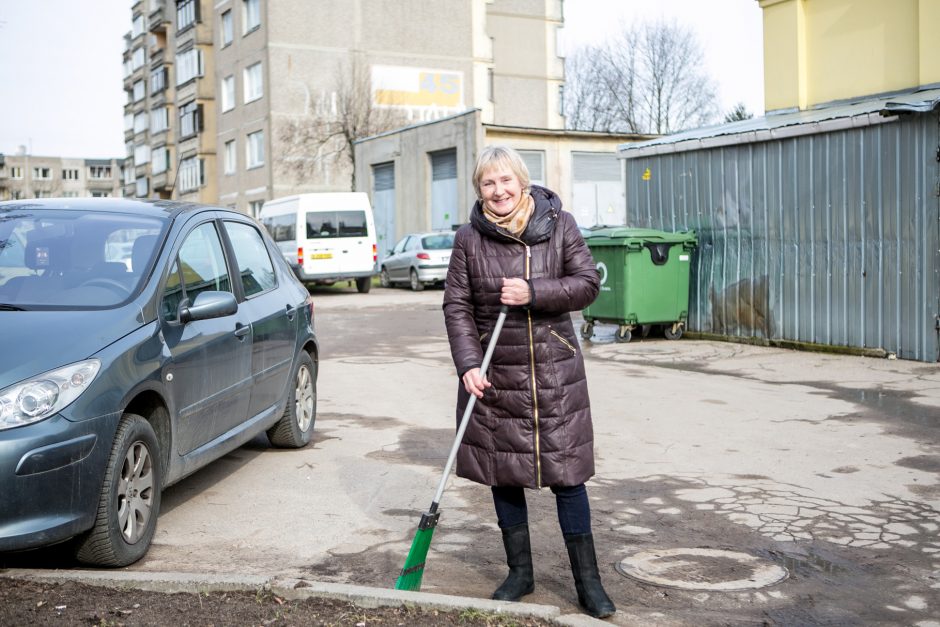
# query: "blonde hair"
{"points": [[500, 157]]}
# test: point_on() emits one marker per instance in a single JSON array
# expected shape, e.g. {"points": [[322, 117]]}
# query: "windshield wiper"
{"points": [[9, 307]]}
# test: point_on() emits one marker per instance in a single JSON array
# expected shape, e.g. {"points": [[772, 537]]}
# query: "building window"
{"points": [[70, 175], [128, 122], [188, 65], [17, 194], [489, 84], [226, 28], [140, 90], [141, 154], [42, 174], [137, 26], [127, 68], [160, 160], [69, 194], [158, 80], [254, 208], [254, 83], [191, 174], [187, 13], [141, 187], [138, 58], [159, 119], [99, 172], [535, 163], [230, 157], [254, 150], [43, 194], [101, 194], [228, 93], [190, 119], [16, 172], [251, 14], [127, 174], [140, 122]]}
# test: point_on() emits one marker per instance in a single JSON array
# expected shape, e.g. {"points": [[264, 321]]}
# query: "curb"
{"points": [[298, 589]]}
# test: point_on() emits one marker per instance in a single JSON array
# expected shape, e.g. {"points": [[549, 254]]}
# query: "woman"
{"points": [[531, 427]]}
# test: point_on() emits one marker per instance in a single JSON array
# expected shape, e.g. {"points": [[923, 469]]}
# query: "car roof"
{"points": [[146, 207], [425, 233]]}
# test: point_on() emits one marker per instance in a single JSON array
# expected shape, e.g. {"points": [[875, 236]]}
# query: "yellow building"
{"points": [[824, 51]]}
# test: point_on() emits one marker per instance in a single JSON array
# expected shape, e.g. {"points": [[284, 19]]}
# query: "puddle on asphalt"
{"points": [[810, 564]]}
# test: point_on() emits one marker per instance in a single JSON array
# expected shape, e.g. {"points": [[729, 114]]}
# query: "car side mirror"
{"points": [[209, 305]]}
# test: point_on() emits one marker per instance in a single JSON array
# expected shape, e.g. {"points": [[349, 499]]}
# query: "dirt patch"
{"points": [[70, 603]]}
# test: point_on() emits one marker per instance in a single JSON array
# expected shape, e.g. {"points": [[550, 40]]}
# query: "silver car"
{"points": [[418, 259]]}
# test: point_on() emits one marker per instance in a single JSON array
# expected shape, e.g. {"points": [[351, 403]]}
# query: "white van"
{"points": [[326, 237]]}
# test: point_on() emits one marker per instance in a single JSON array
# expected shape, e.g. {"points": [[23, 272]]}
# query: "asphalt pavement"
{"points": [[735, 484]]}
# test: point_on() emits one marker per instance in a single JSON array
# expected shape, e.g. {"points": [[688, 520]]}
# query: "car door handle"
{"points": [[291, 311], [241, 330]]}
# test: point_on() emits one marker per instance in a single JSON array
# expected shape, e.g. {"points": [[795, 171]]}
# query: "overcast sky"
{"points": [[61, 63]]}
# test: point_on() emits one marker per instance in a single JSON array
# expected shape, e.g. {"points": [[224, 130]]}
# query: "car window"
{"points": [[442, 241], [336, 224], [400, 246], [251, 255], [202, 265], [282, 228], [413, 243]]}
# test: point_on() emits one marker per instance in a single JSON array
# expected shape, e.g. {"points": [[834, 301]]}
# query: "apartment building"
{"points": [[29, 176], [237, 101]]}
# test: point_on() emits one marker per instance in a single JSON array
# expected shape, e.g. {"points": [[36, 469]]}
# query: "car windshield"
{"points": [[70, 259], [439, 241]]}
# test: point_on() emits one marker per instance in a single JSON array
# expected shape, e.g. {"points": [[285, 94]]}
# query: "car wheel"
{"points": [[129, 502], [416, 285], [294, 428], [384, 279], [364, 284]]}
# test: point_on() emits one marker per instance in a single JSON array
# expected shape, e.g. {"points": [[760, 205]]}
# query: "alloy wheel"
{"points": [[135, 492], [303, 399]]}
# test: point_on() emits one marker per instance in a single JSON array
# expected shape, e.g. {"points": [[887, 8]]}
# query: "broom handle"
{"points": [[466, 414]]}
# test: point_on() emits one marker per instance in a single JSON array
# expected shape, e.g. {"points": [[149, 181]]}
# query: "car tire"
{"points": [[384, 279], [295, 427], [364, 284], [129, 502], [416, 285]]}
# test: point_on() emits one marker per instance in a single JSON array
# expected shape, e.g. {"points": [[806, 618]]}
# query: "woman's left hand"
{"points": [[515, 292]]}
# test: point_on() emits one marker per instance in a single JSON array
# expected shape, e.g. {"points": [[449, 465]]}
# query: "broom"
{"points": [[413, 570]]}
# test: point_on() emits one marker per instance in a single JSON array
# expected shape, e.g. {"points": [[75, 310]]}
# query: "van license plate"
{"points": [[321, 256]]}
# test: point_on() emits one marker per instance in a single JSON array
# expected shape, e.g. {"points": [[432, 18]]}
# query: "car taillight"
{"points": [[423, 256], [300, 255], [375, 253]]}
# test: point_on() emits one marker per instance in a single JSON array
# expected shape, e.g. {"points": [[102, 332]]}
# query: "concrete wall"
{"points": [[819, 51]]}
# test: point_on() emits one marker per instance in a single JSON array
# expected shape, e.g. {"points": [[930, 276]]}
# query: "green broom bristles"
{"points": [[413, 570]]}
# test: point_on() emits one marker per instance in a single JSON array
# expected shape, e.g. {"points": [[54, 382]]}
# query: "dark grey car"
{"points": [[140, 341]]}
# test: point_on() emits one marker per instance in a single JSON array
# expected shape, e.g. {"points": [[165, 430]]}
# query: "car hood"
{"points": [[36, 341]]}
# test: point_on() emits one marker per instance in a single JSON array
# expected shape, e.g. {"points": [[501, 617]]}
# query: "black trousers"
{"points": [[574, 511]]}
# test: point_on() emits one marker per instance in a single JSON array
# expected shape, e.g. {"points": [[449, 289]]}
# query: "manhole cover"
{"points": [[702, 569]]}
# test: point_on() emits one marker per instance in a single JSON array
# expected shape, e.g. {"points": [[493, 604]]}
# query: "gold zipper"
{"points": [[535, 397], [484, 336], [563, 341]]}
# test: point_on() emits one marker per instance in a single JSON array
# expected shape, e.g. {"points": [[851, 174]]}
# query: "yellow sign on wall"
{"points": [[396, 86]]}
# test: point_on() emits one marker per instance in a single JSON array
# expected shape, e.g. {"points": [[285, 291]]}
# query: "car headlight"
{"points": [[41, 396]]}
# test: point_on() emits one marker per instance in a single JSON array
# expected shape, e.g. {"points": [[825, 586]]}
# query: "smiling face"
{"points": [[500, 189]]}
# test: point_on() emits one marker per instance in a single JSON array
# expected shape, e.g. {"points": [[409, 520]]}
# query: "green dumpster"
{"points": [[644, 280]]}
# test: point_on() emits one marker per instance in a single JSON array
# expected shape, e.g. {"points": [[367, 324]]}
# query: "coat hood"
{"points": [[541, 224]]}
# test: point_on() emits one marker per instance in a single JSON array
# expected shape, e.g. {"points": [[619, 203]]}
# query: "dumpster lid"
{"points": [[622, 236]]}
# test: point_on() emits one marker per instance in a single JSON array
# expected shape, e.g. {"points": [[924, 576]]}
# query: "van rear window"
{"points": [[322, 224], [281, 228]]}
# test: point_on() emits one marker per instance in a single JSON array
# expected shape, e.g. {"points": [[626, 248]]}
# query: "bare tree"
{"points": [[645, 79], [323, 137]]}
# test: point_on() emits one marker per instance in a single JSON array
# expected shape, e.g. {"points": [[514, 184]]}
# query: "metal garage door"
{"points": [[383, 206], [597, 190], [443, 189]]}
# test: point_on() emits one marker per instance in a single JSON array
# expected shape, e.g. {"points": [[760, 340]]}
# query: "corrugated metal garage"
{"points": [[818, 226]]}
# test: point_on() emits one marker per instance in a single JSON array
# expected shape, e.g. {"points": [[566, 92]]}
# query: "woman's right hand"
{"points": [[475, 383]]}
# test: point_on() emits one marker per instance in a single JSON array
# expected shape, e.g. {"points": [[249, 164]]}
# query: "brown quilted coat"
{"points": [[532, 428]]}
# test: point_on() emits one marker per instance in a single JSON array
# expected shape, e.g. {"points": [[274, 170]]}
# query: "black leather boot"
{"points": [[587, 581], [520, 581]]}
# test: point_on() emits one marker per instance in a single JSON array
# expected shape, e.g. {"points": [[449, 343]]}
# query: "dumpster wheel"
{"points": [[673, 331], [587, 330], [624, 333]]}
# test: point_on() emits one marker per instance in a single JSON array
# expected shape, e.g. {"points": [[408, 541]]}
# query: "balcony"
{"points": [[159, 18]]}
